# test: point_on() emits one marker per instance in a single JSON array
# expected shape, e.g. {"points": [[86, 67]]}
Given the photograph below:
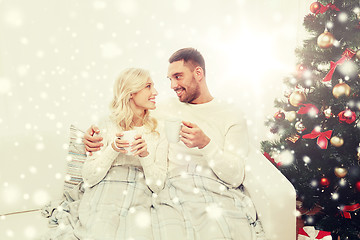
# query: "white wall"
{"points": [[58, 61]]}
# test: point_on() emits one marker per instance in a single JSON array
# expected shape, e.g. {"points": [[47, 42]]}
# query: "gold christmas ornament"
{"points": [[337, 141], [296, 98], [325, 40], [340, 172], [290, 116], [358, 54], [341, 89]]}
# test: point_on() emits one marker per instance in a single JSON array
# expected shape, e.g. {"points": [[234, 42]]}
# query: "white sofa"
{"points": [[273, 195]]}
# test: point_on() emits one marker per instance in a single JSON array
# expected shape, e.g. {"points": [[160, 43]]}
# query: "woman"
{"points": [[119, 185]]}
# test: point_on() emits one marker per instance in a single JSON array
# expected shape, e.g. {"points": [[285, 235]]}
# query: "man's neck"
{"points": [[204, 98]]}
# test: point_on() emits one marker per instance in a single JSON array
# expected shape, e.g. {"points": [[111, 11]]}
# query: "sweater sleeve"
{"points": [[228, 161], [97, 166], [155, 164]]}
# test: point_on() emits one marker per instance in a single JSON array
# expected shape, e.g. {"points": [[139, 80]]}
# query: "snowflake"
{"points": [[32, 169], [182, 5], [5, 86], [41, 197], [306, 159], [14, 18], [30, 232], [214, 211], [128, 7], [348, 68], [143, 219], [343, 17]]}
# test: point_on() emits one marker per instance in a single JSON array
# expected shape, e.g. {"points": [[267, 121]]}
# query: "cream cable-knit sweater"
{"points": [[154, 165], [224, 124]]}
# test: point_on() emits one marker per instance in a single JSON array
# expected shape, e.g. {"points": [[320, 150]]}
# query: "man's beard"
{"points": [[191, 94]]}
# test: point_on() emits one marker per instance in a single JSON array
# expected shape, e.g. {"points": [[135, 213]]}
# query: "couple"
{"points": [[161, 190]]}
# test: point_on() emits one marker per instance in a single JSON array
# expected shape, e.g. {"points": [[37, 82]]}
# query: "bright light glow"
{"points": [[285, 157], [306, 159], [329, 25], [343, 17], [245, 60], [335, 196]]}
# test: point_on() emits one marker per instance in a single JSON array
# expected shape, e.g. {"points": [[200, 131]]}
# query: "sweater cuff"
{"points": [[146, 161], [210, 149], [110, 153]]}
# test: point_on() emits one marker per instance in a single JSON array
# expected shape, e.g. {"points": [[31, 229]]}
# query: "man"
{"points": [[201, 198]]}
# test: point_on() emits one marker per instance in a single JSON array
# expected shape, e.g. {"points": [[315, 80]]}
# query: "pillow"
{"points": [[75, 158]]}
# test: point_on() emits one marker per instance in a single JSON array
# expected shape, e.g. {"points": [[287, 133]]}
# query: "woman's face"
{"points": [[145, 98]]}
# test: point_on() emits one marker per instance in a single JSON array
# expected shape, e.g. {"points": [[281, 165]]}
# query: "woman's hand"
{"points": [[139, 147], [118, 145]]}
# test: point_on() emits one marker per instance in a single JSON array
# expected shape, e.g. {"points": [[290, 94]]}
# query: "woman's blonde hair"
{"points": [[131, 80]]}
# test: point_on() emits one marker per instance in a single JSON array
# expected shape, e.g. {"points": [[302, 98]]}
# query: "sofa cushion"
{"points": [[75, 158]]}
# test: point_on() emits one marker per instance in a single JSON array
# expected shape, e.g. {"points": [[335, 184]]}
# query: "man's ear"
{"points": [[199, 73]]}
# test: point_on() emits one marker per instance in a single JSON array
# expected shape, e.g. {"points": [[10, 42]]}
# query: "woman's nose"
{"points": [[155, 92]]}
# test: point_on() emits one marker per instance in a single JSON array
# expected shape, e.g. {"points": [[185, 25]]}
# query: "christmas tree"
{"points": [[316, 127]]}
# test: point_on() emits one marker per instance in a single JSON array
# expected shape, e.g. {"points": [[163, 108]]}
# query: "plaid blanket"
{"points": [[200, 206], [117, 209]]}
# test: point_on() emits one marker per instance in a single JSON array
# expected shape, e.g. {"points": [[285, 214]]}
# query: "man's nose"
{"points": [[174, 84]]}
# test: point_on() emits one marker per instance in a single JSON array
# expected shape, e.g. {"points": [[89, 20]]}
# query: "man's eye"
{"points": [[148, 86]]}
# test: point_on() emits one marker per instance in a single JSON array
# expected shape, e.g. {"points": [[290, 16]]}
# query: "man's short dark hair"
{"points": [[191, 57]]}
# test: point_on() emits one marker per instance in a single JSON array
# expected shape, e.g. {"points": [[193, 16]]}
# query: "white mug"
{"points": [[130, 137], [172, 129]]}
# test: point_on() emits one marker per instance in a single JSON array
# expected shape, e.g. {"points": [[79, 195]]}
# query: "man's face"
{"points": [[183, 82]]}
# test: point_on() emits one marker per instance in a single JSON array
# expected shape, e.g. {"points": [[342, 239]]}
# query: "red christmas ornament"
{"points": [[279, 115], [324, 182], [357, 185], [315, 7], [347, 116]]}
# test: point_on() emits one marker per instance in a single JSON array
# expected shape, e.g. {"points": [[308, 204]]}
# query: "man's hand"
{"points": [[92, 143], [192, 136]]}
